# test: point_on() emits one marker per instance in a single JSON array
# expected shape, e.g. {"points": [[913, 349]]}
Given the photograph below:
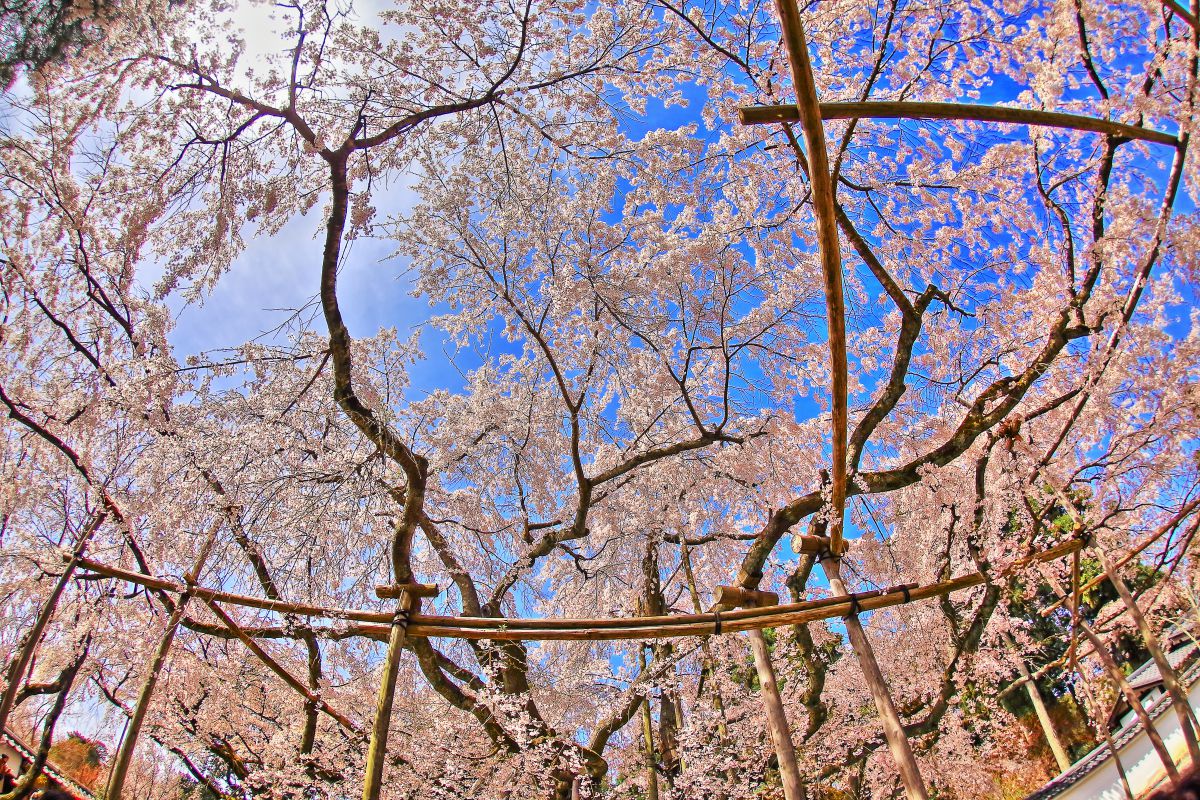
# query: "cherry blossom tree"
{"points": [[629, 337]]}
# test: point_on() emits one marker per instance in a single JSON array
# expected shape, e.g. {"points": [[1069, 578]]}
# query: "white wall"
{"points": [[1142, 765]]}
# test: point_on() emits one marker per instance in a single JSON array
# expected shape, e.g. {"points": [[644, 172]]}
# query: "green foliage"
{"points": [[190, 789], [34, 33]]}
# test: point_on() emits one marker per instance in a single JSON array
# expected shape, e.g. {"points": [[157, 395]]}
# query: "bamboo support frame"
{"points": [[781, 734], [1118, 677], [883, 109], [763, 611], [1132, 554], [1178, 697], [410, 589], [612, 628], [1103, 576], [1135, 703]]}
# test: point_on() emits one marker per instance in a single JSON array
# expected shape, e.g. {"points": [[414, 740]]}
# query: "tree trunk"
{"points": [[648, 737]]}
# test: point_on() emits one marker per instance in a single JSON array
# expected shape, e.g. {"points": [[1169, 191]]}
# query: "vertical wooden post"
{"points": [[1179, 699], [129, 740], [777, 724], [19, 666], [648, 736], [781, 734], [824, 202], [408, 600], [1116, 674], [893, 728], [1039, 706]]}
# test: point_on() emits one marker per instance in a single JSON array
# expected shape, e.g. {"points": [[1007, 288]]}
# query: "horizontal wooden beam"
{"points": [[205, 593], [615, 628], [880, 109]]}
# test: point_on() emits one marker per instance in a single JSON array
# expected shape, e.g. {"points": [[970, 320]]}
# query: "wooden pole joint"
{"points": [[736, 596], [415, 590], [814, 545]]}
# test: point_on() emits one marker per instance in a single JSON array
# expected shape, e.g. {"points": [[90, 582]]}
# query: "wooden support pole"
{"points": [[807, 543], [648, 752], [615, 628], [824, 206], [893, 728], [777, 724], [292, 681], [129, 740], [408, 603], [1039, 707], [1076, 595], [1130, 694], [735, 596], [781, 734], [19, 666], [1179, 698], [1051, 735], [411, 589], [884, 109]]}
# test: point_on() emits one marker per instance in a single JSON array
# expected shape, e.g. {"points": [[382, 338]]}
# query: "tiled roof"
{"points": [[1086, 765], [51, 772], [1148, 675]]}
